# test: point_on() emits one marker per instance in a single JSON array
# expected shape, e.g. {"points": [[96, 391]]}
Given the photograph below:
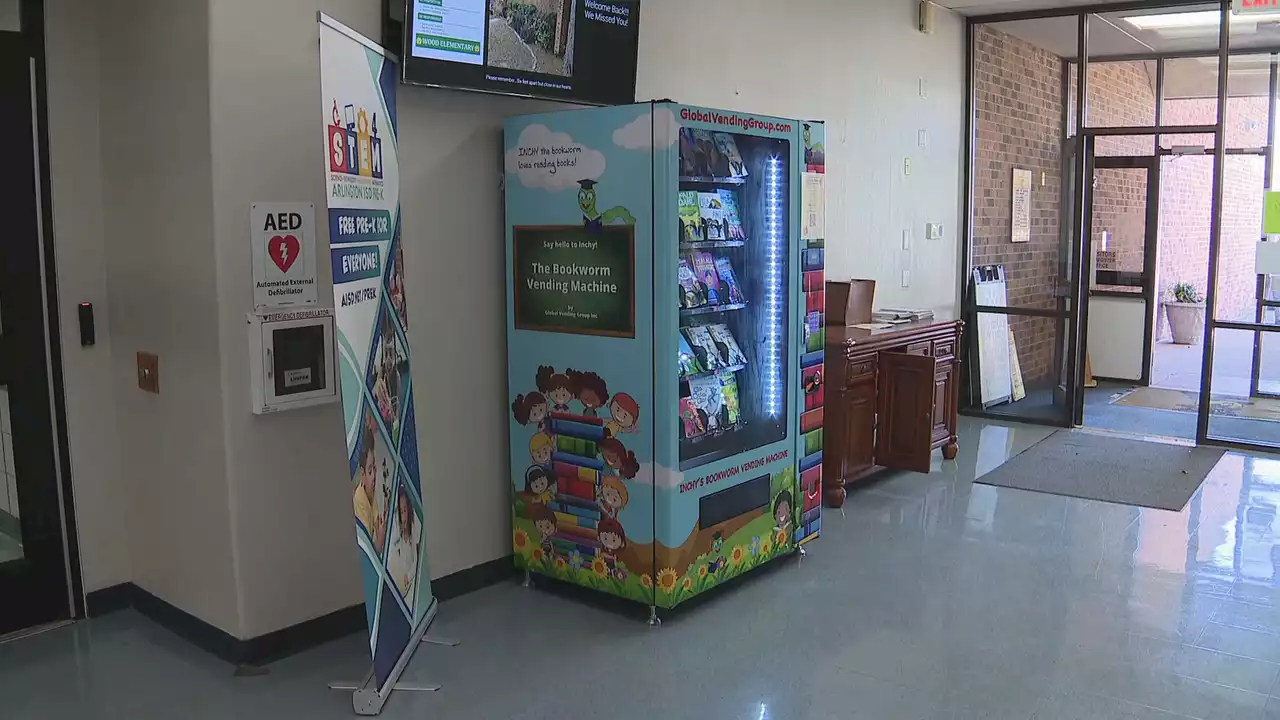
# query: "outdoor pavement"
{"points": [[506, 49], [1178, 366]]}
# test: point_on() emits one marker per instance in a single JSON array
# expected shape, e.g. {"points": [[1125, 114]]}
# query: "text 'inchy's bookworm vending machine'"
{"points": [[656, 332]]}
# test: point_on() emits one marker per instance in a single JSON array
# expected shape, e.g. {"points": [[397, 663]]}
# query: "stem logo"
{"points": [[354, 146]]}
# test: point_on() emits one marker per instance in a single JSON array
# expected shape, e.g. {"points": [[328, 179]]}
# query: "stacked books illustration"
{"points": [[577, 466]]}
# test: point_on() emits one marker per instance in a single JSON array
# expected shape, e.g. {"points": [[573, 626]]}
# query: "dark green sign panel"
{"points": [[570, 280]]}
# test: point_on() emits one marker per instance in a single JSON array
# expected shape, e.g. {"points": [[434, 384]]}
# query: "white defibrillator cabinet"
{"points": [[291, 358]]}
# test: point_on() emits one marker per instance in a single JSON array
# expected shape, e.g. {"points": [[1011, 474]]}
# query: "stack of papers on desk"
{"points": [[900, 315]]}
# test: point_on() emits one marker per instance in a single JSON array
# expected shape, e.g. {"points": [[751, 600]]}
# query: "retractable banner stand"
{"points": [[358, 83]]}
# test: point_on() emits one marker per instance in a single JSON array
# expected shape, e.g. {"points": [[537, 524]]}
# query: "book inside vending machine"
{"points": [[657, 330]]}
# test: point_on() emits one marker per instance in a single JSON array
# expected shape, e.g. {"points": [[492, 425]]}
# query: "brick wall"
{"points": [[1018, 103], [1186, 193]]}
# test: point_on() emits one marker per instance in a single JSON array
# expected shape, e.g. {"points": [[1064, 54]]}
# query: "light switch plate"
{"points": [[906, 278], [906, 239], [922, 138], [933, 231], [906, 166]]}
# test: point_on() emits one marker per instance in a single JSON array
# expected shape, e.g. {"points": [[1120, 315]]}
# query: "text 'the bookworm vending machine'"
{"points": [[657, 330]]}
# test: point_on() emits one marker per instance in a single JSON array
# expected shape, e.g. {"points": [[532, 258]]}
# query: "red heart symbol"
{"points": [[284, 250]]}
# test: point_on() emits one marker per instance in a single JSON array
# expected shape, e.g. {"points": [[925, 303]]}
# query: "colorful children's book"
{"points": [[733, 229], [712, 212], [688, 360], [688, 165], [704, 347], [691, 425], [733, 159], [730, 290], [727, 345], [708, 159], [729, 390], [708, 398], [690, 217], [692, 293], [704, 267]]}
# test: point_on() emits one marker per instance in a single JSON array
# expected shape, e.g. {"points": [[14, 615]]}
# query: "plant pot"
{"points": [[1186, 322]]}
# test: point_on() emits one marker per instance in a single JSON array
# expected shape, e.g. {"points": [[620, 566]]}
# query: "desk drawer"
{"points": [[924, 347], [859, 369], [944, 348]]}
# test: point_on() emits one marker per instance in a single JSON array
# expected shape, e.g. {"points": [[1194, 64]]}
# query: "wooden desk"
{"points": [[891, 399]]}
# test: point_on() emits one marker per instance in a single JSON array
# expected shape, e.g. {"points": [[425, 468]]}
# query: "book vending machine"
{"points": [[664, 346]]}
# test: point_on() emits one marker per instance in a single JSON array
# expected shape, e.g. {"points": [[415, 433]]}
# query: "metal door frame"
{"points": [[1150, 246], [56, 547]]}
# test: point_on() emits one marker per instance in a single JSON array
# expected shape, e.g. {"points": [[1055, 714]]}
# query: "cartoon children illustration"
{"points": [[590, 389], [624, 413], [782, 512], [717, 549], [556, 386], [539, 483], [531, 408], [613, 496], [592, 219], [544, 521], [614, 540], [540, 448], [618, 460]]}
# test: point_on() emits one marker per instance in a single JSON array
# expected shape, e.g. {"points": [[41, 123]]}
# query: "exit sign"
{"points": [[1253, 7]]}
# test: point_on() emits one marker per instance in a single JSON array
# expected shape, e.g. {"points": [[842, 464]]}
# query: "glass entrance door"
{"points": [[34, 569], [1121, 224]]}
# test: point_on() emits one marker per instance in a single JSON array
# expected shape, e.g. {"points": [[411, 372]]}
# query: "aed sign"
{"points": [[1255, 7], [284, 254]]}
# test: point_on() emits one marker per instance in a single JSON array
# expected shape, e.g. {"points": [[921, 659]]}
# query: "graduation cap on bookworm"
{"points": [[587, 184]]}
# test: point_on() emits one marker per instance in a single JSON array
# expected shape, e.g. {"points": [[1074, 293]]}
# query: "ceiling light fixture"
{"points": [[1187, 20]]}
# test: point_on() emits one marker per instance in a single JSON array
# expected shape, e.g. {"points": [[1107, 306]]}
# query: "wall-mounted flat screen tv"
{"points": [[580, 51]]}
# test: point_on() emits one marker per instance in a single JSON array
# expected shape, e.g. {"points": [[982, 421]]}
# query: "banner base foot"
{"points": [[366, 698], [446, 642]]}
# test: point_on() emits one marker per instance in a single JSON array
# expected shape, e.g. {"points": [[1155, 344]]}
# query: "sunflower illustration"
{"points": [[738, 554], [766, 546], [780, 538], [521, 540], [599, 567], [645, 581], [687, 585], [702, 572], [538, 555], [560, 563], [667, 580]]}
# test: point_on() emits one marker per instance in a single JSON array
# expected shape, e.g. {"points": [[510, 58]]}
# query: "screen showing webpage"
{"points": [[582, 50]]}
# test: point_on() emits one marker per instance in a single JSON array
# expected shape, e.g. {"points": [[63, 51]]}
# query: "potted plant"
{"points": [[1186, 314]]}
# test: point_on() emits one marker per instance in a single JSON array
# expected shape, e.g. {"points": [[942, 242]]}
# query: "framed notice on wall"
{"points": [[1021, 206]]}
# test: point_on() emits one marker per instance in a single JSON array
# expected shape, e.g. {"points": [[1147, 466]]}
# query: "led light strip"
{"points": [[773, 383]]}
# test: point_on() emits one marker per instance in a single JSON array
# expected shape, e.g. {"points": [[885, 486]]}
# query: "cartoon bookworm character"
{"points": [[592, 219]]}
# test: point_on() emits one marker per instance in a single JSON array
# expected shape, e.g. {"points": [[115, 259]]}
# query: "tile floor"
{"points": [[930, 597]]}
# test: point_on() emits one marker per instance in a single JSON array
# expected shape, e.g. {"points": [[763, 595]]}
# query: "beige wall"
{"points": [[75, 152], [269, 495], [858, 65], [162, 285]]}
